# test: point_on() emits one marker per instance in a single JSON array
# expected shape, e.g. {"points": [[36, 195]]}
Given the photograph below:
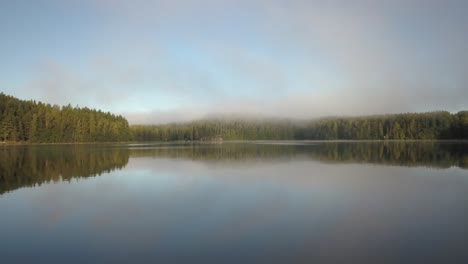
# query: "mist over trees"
{"points": [[30, 121], [424, 126]]}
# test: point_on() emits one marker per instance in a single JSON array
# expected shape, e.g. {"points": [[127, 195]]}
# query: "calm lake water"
{"points": [[251, 202]]}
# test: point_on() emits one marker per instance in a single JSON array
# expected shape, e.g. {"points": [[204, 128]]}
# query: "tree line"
{"points": [[423, 126], [31, 121]]}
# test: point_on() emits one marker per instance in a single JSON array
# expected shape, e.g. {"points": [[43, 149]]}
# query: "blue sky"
{"points": [[161, 61]]}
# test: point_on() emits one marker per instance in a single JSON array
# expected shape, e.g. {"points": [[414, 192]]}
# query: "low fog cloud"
{"points": [[389, 56], [185, 60]]}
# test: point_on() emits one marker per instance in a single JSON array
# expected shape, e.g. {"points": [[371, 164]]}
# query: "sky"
{"points": [[173, 60]]}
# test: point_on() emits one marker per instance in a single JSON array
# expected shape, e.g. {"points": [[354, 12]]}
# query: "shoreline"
{"points": [[232, 141]]}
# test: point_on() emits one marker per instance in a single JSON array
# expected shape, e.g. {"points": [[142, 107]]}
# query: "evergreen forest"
{"points": [[439, 125], [30, 121], [37, 122]]}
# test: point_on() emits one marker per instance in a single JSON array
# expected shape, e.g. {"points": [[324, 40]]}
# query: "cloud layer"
{"points": [[162, 61]]}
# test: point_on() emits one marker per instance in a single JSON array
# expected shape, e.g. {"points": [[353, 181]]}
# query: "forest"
{"points": [[34, 122], [439, 125]]}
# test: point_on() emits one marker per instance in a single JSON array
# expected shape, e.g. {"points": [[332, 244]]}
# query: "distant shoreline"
{"points": [[231, 141]]}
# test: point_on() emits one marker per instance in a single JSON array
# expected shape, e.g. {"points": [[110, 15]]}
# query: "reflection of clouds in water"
{"points": [[170, 208]]}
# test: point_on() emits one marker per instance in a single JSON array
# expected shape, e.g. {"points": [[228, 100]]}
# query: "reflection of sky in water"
{"points": [[163, 209]]}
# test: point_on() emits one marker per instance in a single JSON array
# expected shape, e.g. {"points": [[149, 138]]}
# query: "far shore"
{"points": [[227, 141]]}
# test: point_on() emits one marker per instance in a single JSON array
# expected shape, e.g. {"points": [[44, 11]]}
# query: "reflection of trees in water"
{"points": [[430, 154], [22, 166]]}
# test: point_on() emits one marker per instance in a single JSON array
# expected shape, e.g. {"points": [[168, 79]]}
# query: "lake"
{"points": [[235, 202]]}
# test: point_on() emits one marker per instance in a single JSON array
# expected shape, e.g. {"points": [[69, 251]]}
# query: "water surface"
{"points": [[257, 202]]}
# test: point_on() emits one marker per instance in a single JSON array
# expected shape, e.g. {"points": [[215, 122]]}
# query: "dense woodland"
{"points": [[427, 126], [30, 121]]}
